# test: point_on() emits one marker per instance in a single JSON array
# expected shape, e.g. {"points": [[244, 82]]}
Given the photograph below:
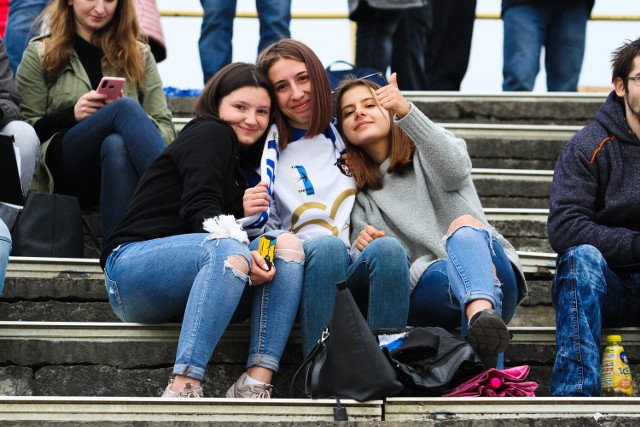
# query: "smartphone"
{"points": [[111, 86], [266, 248]]}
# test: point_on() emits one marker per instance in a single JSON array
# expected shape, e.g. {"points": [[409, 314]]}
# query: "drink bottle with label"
{"points": [[616, 375]]}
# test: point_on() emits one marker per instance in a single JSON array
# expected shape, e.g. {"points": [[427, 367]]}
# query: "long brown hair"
{"points": [[321, 102], [400, 147], [118, 40], [232, 77]]}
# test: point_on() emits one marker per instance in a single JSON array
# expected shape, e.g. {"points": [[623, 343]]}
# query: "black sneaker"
{"points": [[489, 336]]}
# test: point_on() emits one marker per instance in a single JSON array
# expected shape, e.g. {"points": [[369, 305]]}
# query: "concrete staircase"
{"points": [[66, 359]]}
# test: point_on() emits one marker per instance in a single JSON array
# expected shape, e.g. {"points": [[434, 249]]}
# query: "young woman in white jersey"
{"points": [[310, 190]]}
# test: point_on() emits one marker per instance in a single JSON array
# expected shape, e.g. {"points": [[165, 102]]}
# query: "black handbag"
{"points": [[50, 225], [429, 360], [347, 362]]}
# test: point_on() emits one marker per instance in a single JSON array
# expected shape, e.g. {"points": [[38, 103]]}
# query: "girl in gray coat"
{"points": [[415, 191]]}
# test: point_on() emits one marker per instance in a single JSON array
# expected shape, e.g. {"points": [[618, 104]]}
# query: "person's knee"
{"points": [[5, 235], [584, 257], [238, 264], [24, 134], [238, 258], [390, 246], [462, 221], [126, 105], [324, 246], [289, 247], [579, 267], [113, 147]]}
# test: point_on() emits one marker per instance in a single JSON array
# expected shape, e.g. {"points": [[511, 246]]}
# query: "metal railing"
{"points": [[339, 15]]}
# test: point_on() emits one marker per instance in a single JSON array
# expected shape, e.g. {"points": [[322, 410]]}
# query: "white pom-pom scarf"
{"points": [[225, 225]]}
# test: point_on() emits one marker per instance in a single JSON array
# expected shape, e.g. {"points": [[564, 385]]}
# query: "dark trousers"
{"points": [[385, 38], [446, 56]]}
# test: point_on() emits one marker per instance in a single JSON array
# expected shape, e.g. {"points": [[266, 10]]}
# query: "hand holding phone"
{"points": [[266, 248], [111, 86]]}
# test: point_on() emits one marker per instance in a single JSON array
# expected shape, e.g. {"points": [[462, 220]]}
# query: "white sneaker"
{"points": [[249, 391], [187, 391]]}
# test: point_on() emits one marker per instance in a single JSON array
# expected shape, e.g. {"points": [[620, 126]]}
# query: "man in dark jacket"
{"points": [[594, 226]]}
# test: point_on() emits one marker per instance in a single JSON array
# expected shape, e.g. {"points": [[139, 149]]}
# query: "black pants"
{"points": [[448, 44]]}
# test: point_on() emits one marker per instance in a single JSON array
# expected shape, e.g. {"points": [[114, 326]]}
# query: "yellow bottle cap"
{"points": [[614, 338]]}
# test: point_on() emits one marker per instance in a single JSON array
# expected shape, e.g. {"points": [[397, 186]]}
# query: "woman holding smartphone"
{"points": [[415, 188], [93, 147], [180, 254]]}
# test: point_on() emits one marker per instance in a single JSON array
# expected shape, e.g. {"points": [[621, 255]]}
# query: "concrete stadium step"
{"points": [[510, 146], [506, 146], [408, 412], [120, 359], [506, 412], [526, 229], [515, 108], [78, 411], [513, 188], [85, 300]]}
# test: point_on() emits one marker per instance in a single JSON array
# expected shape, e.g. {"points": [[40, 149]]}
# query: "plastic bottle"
{"points": [[616, 375]]}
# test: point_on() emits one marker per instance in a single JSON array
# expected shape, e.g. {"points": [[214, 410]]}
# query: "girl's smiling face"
{"points": [[292, 84], [247, 111], [364, 122]]}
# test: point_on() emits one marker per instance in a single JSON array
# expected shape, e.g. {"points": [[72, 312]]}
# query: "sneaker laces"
{"points": [[188, 391]]}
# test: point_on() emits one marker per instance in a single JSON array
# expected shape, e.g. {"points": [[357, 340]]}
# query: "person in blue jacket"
{"points": [[594, 226]]}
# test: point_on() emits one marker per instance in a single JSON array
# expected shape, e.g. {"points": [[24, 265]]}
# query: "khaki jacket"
{"points": [[43, 94]]}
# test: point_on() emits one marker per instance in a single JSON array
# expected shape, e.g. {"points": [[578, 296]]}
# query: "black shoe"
{"points": [[489, 336]]}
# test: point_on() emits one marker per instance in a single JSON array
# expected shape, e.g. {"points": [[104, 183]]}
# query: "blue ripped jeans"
{"points": [[465, 275], [588, 295], [188, 277]]}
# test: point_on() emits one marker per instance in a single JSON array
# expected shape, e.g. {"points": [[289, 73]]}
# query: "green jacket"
{"points": [[44, 94]]}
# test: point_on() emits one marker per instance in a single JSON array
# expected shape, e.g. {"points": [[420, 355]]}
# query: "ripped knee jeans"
{"points": [[186, 277], [466, 274]]}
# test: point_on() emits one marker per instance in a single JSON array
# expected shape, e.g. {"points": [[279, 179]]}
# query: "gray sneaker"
{"points": [[248, 391], [187, 391]]}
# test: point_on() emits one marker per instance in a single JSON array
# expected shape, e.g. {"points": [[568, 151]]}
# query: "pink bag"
{"points": [[150, 25], [497, 383]]}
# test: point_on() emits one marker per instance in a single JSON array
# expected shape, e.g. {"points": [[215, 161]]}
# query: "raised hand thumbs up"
{"points": [[391, 98], [394, 80]]}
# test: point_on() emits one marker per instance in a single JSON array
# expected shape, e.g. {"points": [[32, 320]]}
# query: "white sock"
{"points": [[249, 381]]}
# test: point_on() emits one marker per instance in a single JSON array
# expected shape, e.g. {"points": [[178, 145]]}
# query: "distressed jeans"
{"points": [[465, 275], [187, 277], [588, 295]]}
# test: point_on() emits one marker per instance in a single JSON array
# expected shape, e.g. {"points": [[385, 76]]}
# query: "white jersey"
{"points": [[314, 191]]}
